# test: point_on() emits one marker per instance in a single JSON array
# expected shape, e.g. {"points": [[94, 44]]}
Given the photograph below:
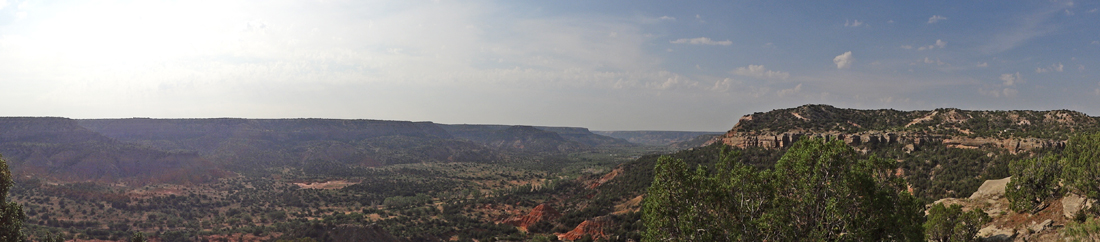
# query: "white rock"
{"points": [[991, 189], [1072, 203]]}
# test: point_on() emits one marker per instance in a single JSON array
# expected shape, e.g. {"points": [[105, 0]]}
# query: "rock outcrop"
{"points": [[1073, 203], [1009, 130], [1043, 225], [539, 213], [595, 227]]}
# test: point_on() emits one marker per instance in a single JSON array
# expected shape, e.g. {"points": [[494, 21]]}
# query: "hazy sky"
{"points": [[605, 65]]}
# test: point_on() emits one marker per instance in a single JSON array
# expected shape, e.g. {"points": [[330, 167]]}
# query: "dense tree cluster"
{"points": [[819, 190], [952, 224]]}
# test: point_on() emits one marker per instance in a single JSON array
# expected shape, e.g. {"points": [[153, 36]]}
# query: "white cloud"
{"points": [[667, 18], [1006, 92], [724, 85], [701, 41], [939, 44], [1096, 42], [759, 71], [1093, 10], [983, 64], [936, 18], [852, 23], [1011, 79], [930, 61], [792, 91], [908, 47], [843, 60], [1058, 67], [3, 3]]}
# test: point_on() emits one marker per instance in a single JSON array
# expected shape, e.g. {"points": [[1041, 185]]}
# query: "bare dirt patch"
{"points": [[336, 184]]}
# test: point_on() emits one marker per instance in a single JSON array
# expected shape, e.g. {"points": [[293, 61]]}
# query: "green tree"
{"points": [[138, 237], [818, 190], [951, 224], [1081, 165], [1034, 183], [11, 213]]}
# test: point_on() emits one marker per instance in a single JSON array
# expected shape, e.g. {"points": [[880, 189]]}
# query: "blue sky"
{"points": [[605, 65]]}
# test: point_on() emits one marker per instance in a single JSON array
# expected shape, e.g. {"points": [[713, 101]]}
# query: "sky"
{"points": [[604, 65]]}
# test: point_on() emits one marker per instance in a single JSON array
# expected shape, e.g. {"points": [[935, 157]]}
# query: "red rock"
{"points": [[595, 227], [539, 213]]}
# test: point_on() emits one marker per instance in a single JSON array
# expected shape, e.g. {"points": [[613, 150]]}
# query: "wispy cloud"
{"points": [[936, 19], [1011, 79], [1057, 67], [666, 18], [999, 92], [759, 71], [701, 41], [931, 61], [939, 44], [1025, 29], [843, 60], [787, 92], [852, 23]]}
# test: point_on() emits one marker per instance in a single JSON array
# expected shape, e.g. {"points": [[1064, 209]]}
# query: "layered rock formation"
{"points": [[1014, 131], [539, 213], [594, 227]]}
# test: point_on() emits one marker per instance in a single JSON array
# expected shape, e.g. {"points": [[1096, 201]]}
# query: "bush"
{"points": [[1034, 183]]}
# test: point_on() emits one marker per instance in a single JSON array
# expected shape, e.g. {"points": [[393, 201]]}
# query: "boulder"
{"points": [[994, 233], [1072, 203], [1038, 228], [991, 189]]}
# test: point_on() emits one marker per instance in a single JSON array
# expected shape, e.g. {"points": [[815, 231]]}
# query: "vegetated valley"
{"points": [[371, 180]]}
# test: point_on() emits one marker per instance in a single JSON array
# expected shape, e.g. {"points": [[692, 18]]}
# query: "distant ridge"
{"points": [[1013, 130], [195, 150], [658, 138], [61, 149]]}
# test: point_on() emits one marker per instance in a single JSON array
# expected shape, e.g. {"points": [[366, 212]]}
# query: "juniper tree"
{"points": [[11, 213]]}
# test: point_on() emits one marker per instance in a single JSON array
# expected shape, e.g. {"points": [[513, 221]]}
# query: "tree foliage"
{"points": [[819, 190], [11, 213], [1081, 166], [1034, 182], [951, 224]]}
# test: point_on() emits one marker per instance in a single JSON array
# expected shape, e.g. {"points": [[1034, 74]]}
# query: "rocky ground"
{"points": [[1044, 225]]}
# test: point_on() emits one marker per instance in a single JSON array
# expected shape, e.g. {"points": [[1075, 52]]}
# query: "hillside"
{"points": [[577, 138], [60, 149], [657, 138], [249, 144], [421, 181], [1012, 130], [943, 154]]}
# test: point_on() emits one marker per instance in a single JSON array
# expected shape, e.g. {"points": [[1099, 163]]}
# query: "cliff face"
{"points": [[1014, 131]]}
